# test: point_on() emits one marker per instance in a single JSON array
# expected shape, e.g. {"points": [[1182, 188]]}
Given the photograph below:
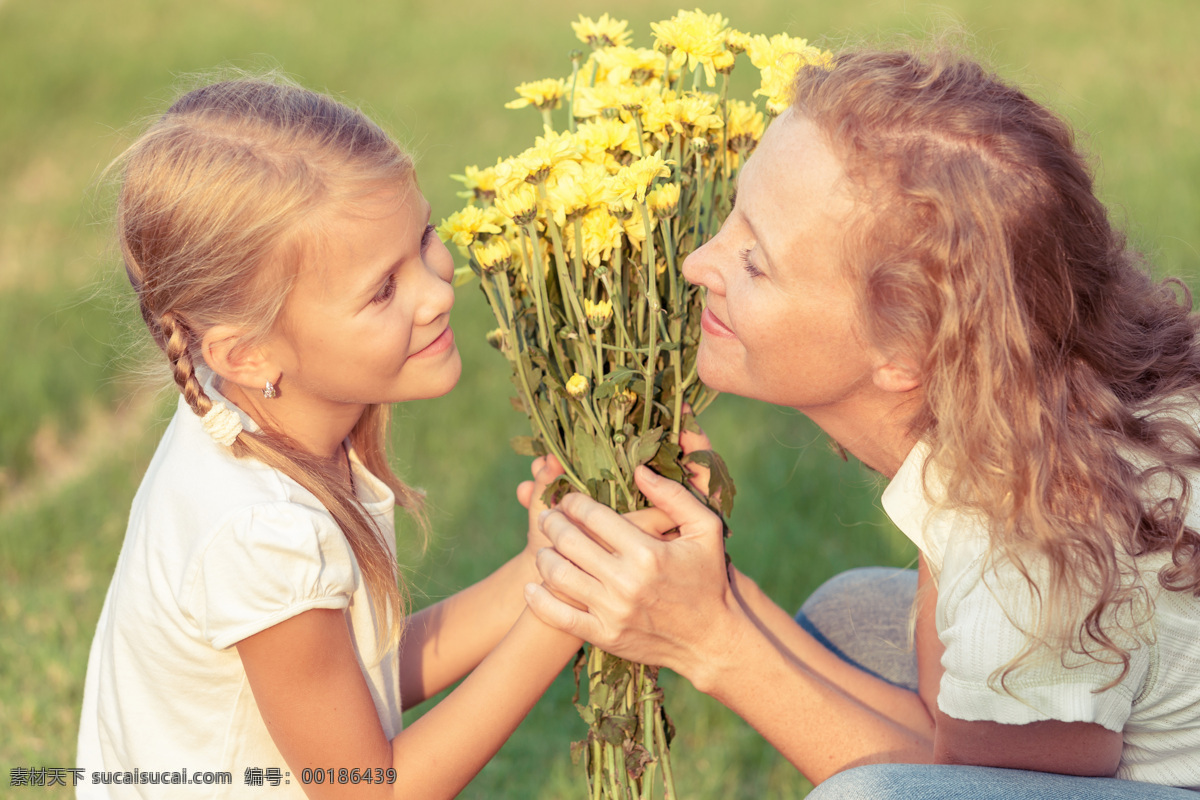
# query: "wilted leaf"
{"points": [[527, 446], [720, 485]]}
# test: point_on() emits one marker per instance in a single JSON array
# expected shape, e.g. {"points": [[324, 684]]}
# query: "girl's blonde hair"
{"points": [[221, 203], [1054, 369]]}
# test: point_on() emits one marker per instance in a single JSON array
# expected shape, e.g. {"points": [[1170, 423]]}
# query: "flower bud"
{"points": [[577, 386], [497, 339], [598, 314], [664, 201]]}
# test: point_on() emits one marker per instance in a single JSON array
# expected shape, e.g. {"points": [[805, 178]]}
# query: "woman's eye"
{"points": [[747, 264], [386, 291]]}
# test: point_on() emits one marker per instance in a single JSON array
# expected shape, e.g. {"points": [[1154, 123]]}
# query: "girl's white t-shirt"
{"points": [[984, 605], [217, 549]]}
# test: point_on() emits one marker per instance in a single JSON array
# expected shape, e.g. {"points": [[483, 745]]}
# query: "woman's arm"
{"points": [[669, 603], [316, 705]]}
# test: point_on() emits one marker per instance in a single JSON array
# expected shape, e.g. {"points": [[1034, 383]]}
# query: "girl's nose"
{"points": [[437, 291]]}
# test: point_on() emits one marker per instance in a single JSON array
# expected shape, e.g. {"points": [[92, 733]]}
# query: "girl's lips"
{"points": [[714, 326], [442, 343]]}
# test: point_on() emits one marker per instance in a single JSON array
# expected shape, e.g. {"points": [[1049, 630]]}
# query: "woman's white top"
{"points": [[1156, 706], [218, 548]]}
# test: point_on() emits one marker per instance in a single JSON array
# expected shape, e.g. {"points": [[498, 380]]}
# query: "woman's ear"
{"points": [[235, 361], [897, 374]]}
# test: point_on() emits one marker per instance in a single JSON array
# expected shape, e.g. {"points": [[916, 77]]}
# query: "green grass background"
{"points": [[77, 424]]}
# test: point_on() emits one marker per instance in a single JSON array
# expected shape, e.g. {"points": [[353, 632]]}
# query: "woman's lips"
{"points": [[442, 343], [714, 326]]}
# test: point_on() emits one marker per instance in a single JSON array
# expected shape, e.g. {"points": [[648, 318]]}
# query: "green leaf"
{"points": [[585, 450], [666, 462], [647, 445]]}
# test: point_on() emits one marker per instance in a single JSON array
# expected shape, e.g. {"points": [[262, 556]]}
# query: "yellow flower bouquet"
{"points": [[577, 243]]}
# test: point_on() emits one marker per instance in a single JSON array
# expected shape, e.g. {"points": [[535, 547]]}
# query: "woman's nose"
{"points": [[702, 268]]}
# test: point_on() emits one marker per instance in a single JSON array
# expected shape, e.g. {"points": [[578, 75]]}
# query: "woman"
{"points": [[918, 262]]}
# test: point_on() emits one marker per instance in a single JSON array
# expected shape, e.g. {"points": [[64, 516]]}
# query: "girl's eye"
{"points": [[386, 291], [747, 264], [427, 237]]}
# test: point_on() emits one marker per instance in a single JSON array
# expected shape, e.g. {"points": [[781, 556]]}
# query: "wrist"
{"points": [[720, 654]]}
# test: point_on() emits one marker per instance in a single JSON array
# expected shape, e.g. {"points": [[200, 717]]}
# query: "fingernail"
{"points": [[542, 516], [648, 475], [530, 590]]}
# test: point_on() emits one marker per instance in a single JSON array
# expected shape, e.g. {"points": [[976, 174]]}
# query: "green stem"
{"points": [[652, 296]]}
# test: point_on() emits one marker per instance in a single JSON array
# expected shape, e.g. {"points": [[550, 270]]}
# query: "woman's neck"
{"points": [[876, 431]]}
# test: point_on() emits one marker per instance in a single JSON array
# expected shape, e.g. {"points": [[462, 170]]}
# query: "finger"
{"points": [[545, 471], [557, 614], [566, 579], [692, 516], [572, 542], [604, 525], [525, 493], [653, 521]]}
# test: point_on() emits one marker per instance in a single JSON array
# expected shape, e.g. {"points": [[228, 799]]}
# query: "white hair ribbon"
{"points": [[222, 423]]}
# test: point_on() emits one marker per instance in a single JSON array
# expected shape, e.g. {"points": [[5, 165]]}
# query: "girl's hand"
{"points": [[648, 599], [529, 494]]}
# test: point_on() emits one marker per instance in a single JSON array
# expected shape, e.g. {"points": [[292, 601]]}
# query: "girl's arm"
{"points": [[447, 640], [315, 702]]}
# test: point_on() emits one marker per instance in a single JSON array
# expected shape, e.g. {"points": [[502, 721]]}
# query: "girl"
{"points": [[918, 262], [284, 262]]}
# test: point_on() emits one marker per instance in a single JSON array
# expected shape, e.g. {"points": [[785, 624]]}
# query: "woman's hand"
{"points": [[648, 599], [529, 493]]}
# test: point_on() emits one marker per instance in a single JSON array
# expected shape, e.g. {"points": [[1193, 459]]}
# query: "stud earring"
{"points": [[269, 391]]}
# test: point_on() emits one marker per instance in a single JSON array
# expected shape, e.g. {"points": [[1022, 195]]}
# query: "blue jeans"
{"points": [[863, 616]]}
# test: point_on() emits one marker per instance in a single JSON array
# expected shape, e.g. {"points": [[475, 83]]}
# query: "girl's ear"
{"points": [[897, 374], [235, 361]]}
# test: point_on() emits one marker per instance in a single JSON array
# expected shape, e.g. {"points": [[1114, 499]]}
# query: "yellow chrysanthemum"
{"points": [[534, 164], [544, 94], [466, 226], [697, 113], [494, 255], [601, 234], [577, 386], [778, 58], [520, 202], [611, 136], [638, 65], [745, 126], [664, 201], [736, 41], [594, 101], [635, 180], [480, 183], [598, 314], [693, 38], [578, 191], [603, 32], [724, 62], [634, 226]]}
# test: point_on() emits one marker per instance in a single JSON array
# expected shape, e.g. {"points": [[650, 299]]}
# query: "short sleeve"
{"points": [[983, 611], [267, 564]]}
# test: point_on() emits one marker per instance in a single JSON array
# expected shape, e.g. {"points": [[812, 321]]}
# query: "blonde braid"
{"points": [[177, 342]]}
